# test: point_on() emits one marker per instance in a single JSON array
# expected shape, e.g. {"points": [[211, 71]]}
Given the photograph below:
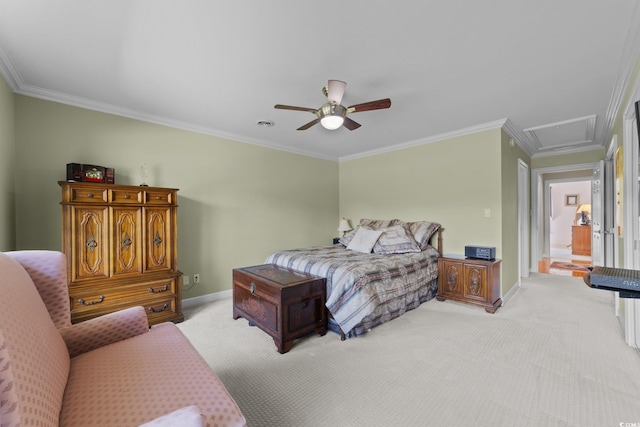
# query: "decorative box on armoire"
{"points": [[122, 250]]}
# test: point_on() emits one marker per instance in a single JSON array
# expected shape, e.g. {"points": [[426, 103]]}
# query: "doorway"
{"points": [[559, 194], [569, 227]]}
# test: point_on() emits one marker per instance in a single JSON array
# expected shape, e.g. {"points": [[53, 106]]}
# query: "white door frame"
{"points": [[631, 214], [537, 215], [610, 240], [523, 219], [598, 184]]}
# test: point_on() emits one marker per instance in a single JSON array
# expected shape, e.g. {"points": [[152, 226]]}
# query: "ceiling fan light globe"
{"points": [[331, 122]]}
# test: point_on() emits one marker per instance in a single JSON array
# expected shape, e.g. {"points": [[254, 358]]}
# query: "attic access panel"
{"points": [[569, 133]]}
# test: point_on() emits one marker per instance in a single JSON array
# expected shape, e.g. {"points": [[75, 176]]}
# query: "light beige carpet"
{"points": [[553, 356]]}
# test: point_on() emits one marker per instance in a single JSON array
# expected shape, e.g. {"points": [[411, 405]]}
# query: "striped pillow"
{"points": [[396, 239], [346, 239], [422, 232], [376, 224], [373, 224]]}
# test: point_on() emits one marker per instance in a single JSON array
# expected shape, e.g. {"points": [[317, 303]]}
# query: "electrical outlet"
{"points": [[185, 279], [196, 278], [487, 213]]}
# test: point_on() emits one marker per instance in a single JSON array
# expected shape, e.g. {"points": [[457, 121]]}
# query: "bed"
{"points": [[366, 289]]}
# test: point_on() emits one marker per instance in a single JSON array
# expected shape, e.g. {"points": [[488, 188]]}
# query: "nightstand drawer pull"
{"points": [[157, 291], [83, 302], [126, 196], [90, 195], [252, 287], [159, 310]]}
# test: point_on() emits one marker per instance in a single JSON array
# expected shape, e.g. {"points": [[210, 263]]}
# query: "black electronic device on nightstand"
{"points": [[480, 252]]}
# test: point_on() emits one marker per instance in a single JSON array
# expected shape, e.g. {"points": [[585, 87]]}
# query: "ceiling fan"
{"points": [[332, 114]]}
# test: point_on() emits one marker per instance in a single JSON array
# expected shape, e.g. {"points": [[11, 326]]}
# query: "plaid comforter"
{"points": [[358, 283]]}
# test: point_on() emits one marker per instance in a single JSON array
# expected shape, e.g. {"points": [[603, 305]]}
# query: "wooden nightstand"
{"points": [[284, 303], [470, 280]]}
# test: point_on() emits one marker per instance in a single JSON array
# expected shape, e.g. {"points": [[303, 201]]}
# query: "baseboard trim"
{"points": [[511, 292], [203, 299]]}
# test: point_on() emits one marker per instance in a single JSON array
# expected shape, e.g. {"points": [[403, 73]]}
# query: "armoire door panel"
{"points": [[158, 239], [91, 243], [127, 241]]}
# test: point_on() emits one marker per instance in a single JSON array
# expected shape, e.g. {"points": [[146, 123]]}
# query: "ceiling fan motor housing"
{"points": [[331, 115]]}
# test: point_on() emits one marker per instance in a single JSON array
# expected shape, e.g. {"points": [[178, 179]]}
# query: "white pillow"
{"points": [[189, 416], [364, 240]]}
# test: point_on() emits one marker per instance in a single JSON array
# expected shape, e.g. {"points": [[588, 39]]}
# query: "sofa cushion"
{"points": [[39, 357], [142, 378], [9, 411]]}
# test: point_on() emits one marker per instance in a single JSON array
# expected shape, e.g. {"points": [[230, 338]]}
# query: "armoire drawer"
{"points": [[126, 196], [91, 298], [89, 194], [158, 197]]}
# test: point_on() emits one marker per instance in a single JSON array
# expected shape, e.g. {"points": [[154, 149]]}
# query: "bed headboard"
{"points": [[440, 230]]}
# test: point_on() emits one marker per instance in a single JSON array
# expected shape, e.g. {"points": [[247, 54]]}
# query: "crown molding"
{"points": [[102, 107], [519, 137], [448, 135], [628, 60], [9, 73]]}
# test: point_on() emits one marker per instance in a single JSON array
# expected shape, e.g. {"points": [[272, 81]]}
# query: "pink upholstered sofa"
{"points": [[108, 371]]}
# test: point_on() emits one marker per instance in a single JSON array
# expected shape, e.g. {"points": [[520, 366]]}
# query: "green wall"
{"points": [[238, 202], [451, 182], [7, 143], [578, 158]]}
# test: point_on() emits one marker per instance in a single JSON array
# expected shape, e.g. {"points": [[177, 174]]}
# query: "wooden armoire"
{"points": [[121, 247]]}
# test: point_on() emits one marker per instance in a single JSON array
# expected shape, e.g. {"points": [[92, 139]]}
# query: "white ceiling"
{"points": [[550, 72]]}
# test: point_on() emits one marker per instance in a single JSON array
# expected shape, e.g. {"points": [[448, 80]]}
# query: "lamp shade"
{"points": [[344, 226], [585, 208]]}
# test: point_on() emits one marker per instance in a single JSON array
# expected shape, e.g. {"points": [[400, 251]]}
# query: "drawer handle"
{"points": [[157, 291], [90, 195], [252, 287], [83, 302], [158, 198], [159, 310], [126, 196]]}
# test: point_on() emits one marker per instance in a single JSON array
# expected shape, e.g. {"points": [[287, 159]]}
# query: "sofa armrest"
{"points": [[103, 330]]}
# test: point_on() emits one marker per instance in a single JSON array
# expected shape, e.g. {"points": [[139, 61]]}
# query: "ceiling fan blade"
{"points": [[350, 124], [308, 125], [368, 106], [291, 107], [335, 91]]}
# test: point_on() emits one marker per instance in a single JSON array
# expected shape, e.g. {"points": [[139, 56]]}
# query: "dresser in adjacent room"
{"points": [[581, 240], [121, 247]]}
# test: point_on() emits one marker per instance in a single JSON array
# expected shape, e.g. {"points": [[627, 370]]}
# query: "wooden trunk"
{"points": [[284, 303]]}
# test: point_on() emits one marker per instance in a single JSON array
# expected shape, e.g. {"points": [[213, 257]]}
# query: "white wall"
{"points": [[562, 216]]}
